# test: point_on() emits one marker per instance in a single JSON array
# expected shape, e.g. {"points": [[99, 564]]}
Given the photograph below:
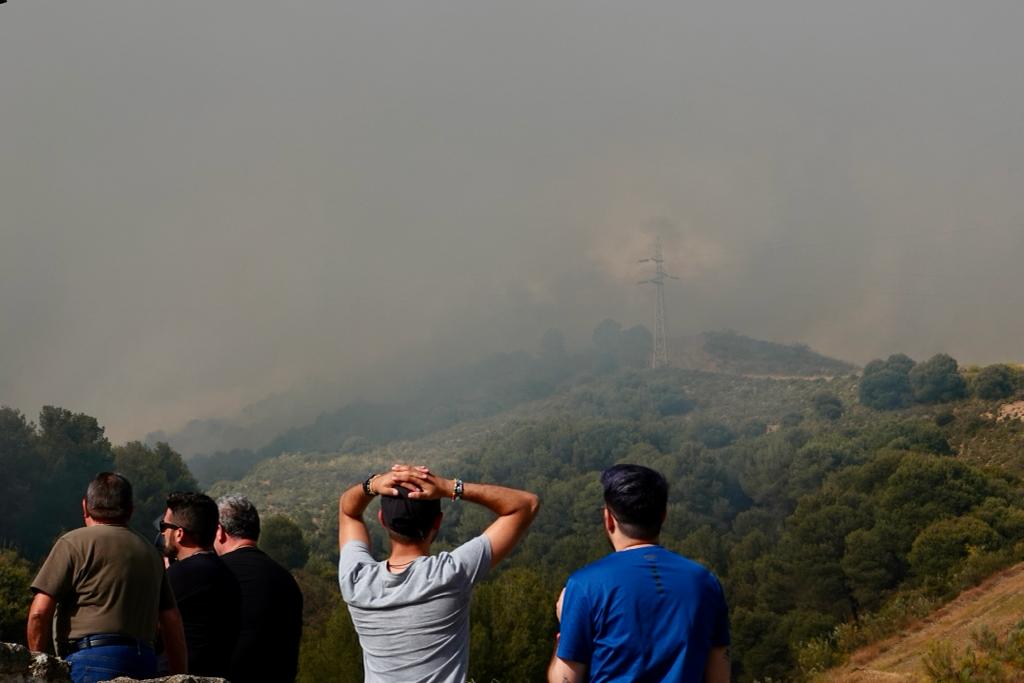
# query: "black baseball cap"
{"points": [[407, 516]]}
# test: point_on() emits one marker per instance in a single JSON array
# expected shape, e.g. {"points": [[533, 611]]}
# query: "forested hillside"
{"points": [[731, 352], [501, 381], [836, 510], [831, 523]]}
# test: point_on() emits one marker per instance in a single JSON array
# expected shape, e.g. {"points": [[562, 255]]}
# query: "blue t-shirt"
{"points": [[643, 615]]}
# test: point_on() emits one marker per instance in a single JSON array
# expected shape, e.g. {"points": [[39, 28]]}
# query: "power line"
{"points": [[659, 357]]}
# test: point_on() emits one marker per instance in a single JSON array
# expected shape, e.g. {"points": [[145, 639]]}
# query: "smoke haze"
{"points": [[205, 203]]}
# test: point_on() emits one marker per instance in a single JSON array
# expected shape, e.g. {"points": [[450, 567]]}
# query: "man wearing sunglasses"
{"points": [[205, 589], [112, 591]]}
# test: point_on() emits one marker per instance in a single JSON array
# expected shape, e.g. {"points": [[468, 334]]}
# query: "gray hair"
{"points": [[238, 517]]}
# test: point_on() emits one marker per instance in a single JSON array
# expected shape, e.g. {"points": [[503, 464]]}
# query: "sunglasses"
{"points": [[164, 526]]}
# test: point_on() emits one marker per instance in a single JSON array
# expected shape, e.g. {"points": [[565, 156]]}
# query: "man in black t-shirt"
{"points": [[207, 592], [271, 599]]}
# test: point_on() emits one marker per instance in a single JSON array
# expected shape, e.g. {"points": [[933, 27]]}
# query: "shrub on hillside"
{"points": [[508, 615], [712, 434], [991, 659], [827, 405], [330, 651], [753, 428], [281, 538], [790, 420], [993, 382], [670, 401], [886, 384], [737, 353], [943, 544], [15, 577], [937, 380]]}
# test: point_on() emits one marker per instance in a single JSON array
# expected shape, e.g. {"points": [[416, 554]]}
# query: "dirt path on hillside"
{"points": [[998, 603]]}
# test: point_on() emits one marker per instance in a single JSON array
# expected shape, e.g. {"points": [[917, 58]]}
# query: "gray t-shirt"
{"points": [[413, 626]]}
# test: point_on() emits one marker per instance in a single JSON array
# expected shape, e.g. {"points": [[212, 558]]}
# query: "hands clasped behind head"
{"points": [[421, 483]]}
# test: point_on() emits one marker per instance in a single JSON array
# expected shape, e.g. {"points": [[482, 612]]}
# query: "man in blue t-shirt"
{"points": [[641, 614]]}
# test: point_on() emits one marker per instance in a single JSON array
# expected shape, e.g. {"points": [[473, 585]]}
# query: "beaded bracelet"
{"points": [[366, 485]]}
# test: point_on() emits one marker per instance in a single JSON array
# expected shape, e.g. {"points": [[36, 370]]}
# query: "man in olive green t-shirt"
{"points": [[112, 592]]}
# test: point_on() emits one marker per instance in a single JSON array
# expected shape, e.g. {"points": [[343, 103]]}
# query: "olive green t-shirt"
{"points": [[106, 579]]}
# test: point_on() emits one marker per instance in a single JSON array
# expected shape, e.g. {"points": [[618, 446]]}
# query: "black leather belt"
{"points": [[105, 640]]}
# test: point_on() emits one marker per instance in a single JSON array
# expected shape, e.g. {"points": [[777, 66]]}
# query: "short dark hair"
{"points": [[108, 497], [238, 517], [196, 513], [408, 519], [637, 497]]}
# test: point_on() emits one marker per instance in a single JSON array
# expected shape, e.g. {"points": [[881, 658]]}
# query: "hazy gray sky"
{"points": [[205, 202]]}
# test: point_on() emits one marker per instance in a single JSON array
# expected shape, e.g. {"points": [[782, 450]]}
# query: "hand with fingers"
{"points": [[387, 483], [431, 486]]}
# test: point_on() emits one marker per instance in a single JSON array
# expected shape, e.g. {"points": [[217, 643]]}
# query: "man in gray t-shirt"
{"points": [[411, 611]]}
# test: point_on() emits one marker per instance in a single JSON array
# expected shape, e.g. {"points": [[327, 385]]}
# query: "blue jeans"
{"points": [[96, 664]]}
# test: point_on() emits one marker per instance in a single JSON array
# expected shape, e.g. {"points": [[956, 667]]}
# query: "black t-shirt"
{"points": [[210, 602], [271, 619]]}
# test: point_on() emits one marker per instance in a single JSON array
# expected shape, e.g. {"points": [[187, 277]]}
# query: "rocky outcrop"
{"points": [[18, 665], [180, 678]]}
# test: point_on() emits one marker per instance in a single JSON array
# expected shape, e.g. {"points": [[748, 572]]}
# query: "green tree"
{"points": [[72, 449], [712, 434], [994, 382], [154, 472], [670, 399], [753, 428], [761, 642], [282, 539], [937, 380], [512, 626], [943, 544], [925, 488], [15, 578], [815, 546], [331, 652], [827, 405], [18, 462], [886, 384], [872, 566]]}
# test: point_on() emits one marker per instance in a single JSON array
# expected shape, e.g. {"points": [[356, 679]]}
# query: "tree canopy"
{"points": [[937, 380], [886, 384]]}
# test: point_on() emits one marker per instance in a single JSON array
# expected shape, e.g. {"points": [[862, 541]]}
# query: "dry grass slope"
{"points": [[998, 603]]}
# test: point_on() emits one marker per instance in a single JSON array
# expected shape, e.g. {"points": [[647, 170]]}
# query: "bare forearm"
{"points": [[500, 499], [354, 502], [351, 506], [719, 668], [38, 632], [515, 509], [564, 671]]}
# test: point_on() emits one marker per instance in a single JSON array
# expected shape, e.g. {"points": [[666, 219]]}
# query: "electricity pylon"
{"points": [[659, 356]]}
